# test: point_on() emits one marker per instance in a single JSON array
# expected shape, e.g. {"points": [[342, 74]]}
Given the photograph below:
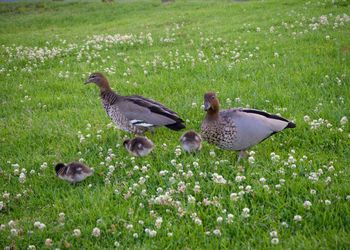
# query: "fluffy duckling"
{"points": [[191, 141], [134, 114], [73, 172], [139, 146], [238, 129]]}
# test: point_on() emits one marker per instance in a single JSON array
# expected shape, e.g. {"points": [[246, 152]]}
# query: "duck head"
{"points": [[211, 102], [58, 167], [99, 79]]}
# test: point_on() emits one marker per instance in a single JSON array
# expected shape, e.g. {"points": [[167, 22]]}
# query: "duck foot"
{"points": [[242, 154]]}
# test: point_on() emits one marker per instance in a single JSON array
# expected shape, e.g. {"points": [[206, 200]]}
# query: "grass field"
{"points": [[286, 57]]}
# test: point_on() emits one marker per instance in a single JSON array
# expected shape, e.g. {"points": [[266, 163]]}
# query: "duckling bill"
{"points": [[238, 129], [139, 146], [73, 172]]}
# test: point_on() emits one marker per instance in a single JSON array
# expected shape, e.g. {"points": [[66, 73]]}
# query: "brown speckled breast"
{"points": [[220, 132]]}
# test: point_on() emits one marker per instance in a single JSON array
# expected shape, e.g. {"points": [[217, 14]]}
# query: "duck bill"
{"points": [[87, 81], [207, 106]]}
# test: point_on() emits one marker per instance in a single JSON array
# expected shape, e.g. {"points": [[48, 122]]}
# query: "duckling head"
{"points": [[126, 142], [211, 102], [99, 79], [58, 167]]}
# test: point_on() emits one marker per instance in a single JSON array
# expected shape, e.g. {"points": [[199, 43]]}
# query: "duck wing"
{"points": [[144, 112], [254, 126]]}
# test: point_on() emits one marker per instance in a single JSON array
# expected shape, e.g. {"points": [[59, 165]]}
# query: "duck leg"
{"points": [[242, 154]]}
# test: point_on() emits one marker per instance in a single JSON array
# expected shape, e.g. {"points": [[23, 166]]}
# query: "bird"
{"points": [[73, 172], [139, 146], [239, 128], [191, 141], [135, 114]]}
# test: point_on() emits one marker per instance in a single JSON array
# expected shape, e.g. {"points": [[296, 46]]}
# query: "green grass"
{"points": [[288, 69]]}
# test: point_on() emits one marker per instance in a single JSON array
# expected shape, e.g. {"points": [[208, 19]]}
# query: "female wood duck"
{"points": [[238, 129], [135, 114]]}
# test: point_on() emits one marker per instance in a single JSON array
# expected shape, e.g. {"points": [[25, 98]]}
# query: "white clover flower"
{"points": [[219, 179], [12, 223], [307, 118], [6, 195], [43, 166], [61, 217], [170, 234], [245, 212], [274, 241], [41, 226], [197, 188], [151, 233], [96, 232], [229, 218], [313, 191], [116, 244], [327, 202], [343, 120], [262, 180], [284, 224], [212, 153], [22, 177], [251, 160], [191, 199], [77, 232], [14, 232], [1, 205], [31, 247], [135, 235], [307, 204], [198, 221], [159, 222], [297, 218], [273, 234], [48, 242], [217, 232], [219, 220]]}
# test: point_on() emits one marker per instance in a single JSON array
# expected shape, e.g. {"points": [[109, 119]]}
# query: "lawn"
{"points": [[286, 57]]}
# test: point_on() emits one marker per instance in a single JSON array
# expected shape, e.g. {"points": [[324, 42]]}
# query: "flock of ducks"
{"points": [[232, 129]]}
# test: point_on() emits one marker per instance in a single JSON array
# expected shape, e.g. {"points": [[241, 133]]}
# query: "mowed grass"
{"points": [[286, 57]]}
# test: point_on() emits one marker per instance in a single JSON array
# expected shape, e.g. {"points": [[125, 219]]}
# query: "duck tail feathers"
{"points": [[176, 126]]}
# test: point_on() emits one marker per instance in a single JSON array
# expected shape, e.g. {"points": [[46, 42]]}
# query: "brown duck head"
{"points": [[211, 103], [99, 79]]}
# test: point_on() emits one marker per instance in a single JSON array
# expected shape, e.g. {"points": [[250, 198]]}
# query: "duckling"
{"points": [[73, 172], [191, 141], [139, 146], [134, 114], [238, 129]]}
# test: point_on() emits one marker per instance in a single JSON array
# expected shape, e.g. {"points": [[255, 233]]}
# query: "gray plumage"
{"points": [[73, 172], [191, 141], [135, 114], [238, 129], [139, 146]]}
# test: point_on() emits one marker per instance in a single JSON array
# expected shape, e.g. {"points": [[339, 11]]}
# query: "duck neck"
{"points": [[109, 95], [212, 114]]}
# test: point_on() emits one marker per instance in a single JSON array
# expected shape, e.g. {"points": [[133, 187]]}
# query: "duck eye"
{"points": [[212, 97]]}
